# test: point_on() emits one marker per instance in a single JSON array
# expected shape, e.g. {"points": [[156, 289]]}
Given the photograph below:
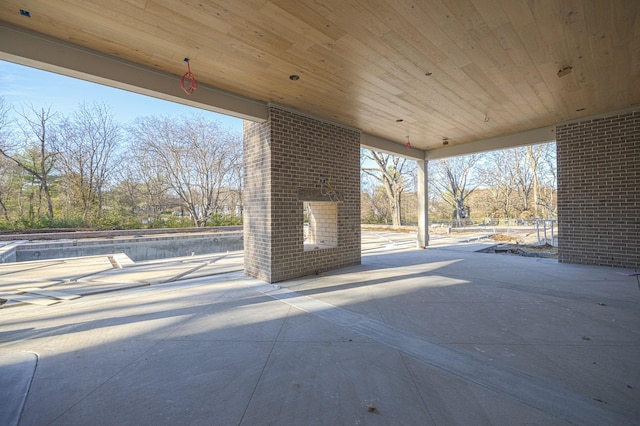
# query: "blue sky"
{"points": [[24, 86]]}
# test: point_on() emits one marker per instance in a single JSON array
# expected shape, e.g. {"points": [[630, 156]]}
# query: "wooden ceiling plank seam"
{"points": [[492, 13], [598, 22], [523, 74], [410, 31], [623, 22], [456, 80], [471, 45], [237, 29], [123, 19], [415, 102], [82, 38], [508, 77], [576, 37], [282, 22], [468, 18], [307, 91], [415, 130], [452, 120], [363, 17], [562, 106], [405, 54], [202, 19], [548, 21], [471, 109], [358, 54], [121, 26], [550, 29], [425, 18], [307, 12], [408, 52], [528, 33]]}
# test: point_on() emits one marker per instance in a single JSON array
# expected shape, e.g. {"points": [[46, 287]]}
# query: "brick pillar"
{"points": [[598, 191], [286, 159]]}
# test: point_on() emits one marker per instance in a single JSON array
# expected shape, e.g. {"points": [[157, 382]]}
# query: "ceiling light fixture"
{"points": [[428, 73], [188, 81], [294, 77]]}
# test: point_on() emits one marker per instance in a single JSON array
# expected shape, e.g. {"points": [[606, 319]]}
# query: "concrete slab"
{"points": [[423, 337], [75, 277], [49, 293], [28, 298], [16, 373]]}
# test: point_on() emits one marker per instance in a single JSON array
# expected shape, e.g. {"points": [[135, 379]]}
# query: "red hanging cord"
{"points": [[188, 81], [408, 143]]}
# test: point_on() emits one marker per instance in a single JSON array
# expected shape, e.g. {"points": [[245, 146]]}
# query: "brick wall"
{"points": [[599, 191], [287, 156], [257, 200]]}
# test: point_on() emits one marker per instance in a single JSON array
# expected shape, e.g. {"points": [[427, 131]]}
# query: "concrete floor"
{"points": [[411, 337]]}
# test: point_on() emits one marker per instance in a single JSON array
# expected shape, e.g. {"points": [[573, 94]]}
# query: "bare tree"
{"points": [[547, 175], [8, 169], [510, 179], [154, 183], [454, 179], [4, 163], [87, 145], [196, 156], [392, 173], [10, 179], [522, 170], [4, 122], [33, 153]]}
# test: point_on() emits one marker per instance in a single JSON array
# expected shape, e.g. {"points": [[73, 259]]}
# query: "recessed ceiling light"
{"points": [[294, 77]]}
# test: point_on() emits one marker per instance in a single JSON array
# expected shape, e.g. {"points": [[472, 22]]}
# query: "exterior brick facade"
{"points": [[285, 160], [599, 191]]}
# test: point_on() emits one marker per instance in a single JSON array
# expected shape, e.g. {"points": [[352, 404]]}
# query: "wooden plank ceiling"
{"points": [[457, 69]]}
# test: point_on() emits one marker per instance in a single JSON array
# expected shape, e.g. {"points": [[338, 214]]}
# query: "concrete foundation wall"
{"points": [[286, 158], [599, 191], [138, 249]]}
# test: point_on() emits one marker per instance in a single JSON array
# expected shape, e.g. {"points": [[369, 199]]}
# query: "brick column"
{"points": [[286, 158], [598, 191]]}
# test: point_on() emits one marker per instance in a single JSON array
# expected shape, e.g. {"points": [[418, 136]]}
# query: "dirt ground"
{"points": [[522, 245]]}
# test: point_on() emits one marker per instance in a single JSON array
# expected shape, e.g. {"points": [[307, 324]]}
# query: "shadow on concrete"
{"points": [[409, 337]]}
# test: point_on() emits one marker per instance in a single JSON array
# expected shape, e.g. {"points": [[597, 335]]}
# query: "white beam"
{"points": [[35, 50], [385, 145], [528, 137]]}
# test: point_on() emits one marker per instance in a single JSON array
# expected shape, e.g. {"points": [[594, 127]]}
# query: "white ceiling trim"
{"points": [[31, 49], [528, 137]]}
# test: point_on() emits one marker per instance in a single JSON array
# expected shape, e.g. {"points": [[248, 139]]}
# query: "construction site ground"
{"points": [[445, 335]]}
